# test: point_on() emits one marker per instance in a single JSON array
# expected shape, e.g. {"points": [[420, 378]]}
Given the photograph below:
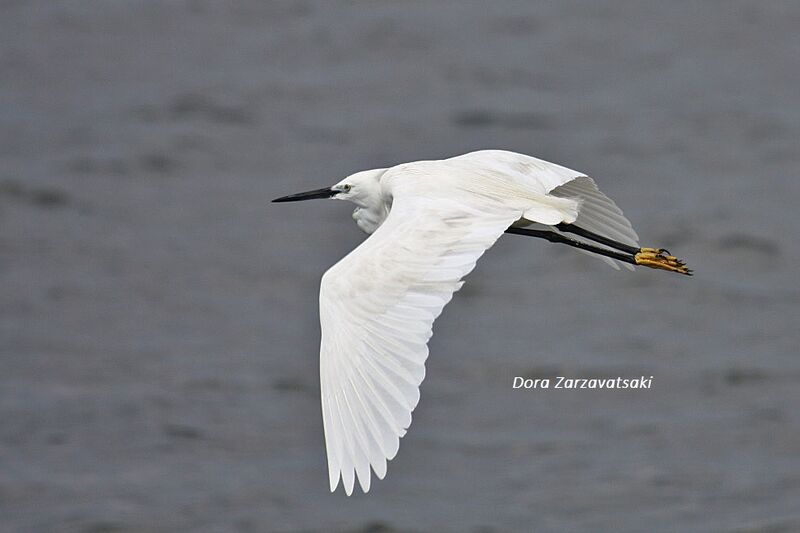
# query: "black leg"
{"points": [[569, 228], [649, 257], [555, 237]]}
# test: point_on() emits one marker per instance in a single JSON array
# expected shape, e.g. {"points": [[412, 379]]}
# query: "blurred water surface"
{"points": [[159, 317]]}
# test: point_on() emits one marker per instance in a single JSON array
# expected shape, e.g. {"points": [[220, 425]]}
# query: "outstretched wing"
{"points": [[377, 307]]}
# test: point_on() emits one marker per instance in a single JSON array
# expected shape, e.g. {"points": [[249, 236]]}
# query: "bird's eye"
{"points": [[346, 188]]}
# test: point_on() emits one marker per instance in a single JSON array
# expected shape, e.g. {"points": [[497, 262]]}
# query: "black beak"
{"points": [[327, 192]]}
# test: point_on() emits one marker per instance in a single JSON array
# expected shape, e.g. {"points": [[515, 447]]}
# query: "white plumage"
{"points": [[430, 222]]}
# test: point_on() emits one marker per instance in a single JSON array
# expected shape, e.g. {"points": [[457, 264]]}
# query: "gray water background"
{"points": [[159, 334]]}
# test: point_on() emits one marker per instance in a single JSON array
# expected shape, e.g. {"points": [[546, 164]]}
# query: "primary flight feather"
{"points": [[430, 221]]}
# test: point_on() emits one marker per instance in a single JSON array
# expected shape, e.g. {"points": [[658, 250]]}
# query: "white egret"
{"points": [[430, 222]]}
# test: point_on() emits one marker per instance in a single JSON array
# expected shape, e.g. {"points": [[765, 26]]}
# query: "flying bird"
{"points": [[429, 223]]}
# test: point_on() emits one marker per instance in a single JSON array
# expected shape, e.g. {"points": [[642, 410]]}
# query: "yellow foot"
{"points": [[660, 258]]}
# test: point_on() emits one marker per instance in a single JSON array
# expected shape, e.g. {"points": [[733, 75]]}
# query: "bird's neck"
{"points": [[370, 218]]}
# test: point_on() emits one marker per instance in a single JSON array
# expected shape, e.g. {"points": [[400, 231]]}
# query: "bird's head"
{"points": [[362, 188]]}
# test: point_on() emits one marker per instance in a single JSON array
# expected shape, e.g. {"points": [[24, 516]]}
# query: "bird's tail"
{"points": [[550, 210]]}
